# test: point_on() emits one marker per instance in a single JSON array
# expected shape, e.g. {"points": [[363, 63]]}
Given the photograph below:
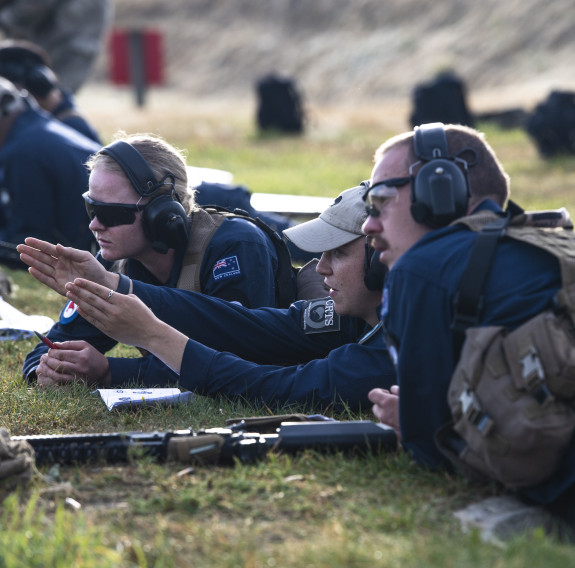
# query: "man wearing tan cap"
{"points": [[324, 352]]}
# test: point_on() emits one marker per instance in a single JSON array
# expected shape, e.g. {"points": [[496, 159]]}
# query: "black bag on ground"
{"points": [[552, 124], [279, 105], [441, 100]]}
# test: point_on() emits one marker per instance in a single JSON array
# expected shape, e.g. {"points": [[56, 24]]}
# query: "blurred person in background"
{"points": [[42, 173], [72, 32], [28, 66]]}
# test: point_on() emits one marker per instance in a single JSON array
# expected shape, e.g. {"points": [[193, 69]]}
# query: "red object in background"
{"points": [[132, 52]]}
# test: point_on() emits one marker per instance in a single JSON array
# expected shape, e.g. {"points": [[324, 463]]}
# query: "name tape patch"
{"points": [[319, 316], [226, 268]]}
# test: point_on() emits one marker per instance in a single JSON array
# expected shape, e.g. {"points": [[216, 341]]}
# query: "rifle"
{"points": [[220, 446]]}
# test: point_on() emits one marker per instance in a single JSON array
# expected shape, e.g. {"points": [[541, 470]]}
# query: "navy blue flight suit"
{"points": [[417, 312], [238, 265]]}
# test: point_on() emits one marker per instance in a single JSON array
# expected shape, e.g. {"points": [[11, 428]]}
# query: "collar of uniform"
{"points": [[369, 334]]}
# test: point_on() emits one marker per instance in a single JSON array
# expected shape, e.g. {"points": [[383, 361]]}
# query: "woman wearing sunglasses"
{"points": [[148, 227]]}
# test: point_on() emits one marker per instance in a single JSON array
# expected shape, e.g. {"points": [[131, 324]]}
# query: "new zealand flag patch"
{"points": [[226, 268]]}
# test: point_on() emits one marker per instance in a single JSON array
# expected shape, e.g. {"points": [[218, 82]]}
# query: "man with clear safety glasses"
{"points": [[427, 252]]}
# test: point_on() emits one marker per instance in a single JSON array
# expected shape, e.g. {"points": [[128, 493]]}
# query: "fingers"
{"points": [[40, 245], [95, 304], [378, 396], [36, 258], [42, 277], [77, 345], [72, 254], [87, 288], [44, 382], [88, 295], [54, 371]]}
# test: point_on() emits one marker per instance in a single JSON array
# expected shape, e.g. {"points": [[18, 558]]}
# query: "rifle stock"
{"points": [[222, 446]]}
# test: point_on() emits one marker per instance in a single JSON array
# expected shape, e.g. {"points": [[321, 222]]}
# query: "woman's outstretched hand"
{"points": [[55, 265]]}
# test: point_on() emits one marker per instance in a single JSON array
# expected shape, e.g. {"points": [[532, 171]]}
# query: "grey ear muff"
{"points": [[164, 218], [440, 189]]}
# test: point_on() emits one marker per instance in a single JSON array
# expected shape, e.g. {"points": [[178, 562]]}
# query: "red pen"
{"points": [[46, 341]]}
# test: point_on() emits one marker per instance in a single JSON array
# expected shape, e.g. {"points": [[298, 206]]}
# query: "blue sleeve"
{"points": [[263, 335], [340, 381], [45, 175], [74, 328], [32, 198], [424, 363], [240, 264], [419, 303], [68, 114], [148, 371], [124, 370]]}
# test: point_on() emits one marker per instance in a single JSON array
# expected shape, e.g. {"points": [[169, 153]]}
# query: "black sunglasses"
{"points": [[371, 208], [110, 214]]}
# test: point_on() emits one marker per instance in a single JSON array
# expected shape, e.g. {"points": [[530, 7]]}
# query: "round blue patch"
{"points": [[69, 312]]}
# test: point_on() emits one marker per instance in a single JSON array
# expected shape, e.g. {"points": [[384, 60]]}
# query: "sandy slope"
{"points": [[508, 53]]}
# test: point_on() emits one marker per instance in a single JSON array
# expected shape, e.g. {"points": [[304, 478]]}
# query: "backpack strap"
{"points": [[561, 244], [468, 301], [204, 225]]}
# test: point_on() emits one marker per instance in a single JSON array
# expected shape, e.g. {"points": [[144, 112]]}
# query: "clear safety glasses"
{"points": [[377, 194]]}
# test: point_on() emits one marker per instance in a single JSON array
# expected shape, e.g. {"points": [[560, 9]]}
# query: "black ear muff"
{"points": [[440, 189], [375, 270], [40, 80], [8, 103], [165, 223], [164, 218]]}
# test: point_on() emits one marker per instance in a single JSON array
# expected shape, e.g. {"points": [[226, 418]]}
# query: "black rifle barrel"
{"points": [[213, 446]]}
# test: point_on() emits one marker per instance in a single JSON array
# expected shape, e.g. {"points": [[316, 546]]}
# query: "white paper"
{"points": [[13, 320], [117, 398]]}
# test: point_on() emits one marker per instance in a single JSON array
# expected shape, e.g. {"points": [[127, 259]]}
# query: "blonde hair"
{"points": [[162, 158]]}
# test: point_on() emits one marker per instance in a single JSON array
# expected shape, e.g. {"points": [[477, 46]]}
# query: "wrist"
{"points": [[106, 379], [124, 285]]}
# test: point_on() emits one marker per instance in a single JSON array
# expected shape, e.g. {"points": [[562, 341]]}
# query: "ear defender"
{"points": [[164, 218], [8, 104], [375, 270], [440, 190]]}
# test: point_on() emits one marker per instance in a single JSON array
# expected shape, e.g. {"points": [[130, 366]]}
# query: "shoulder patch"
{"points": [[318, 316], [69, 313], [226, 268]]}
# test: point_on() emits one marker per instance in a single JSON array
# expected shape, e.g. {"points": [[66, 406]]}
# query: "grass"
{"points": [[304, 510]]}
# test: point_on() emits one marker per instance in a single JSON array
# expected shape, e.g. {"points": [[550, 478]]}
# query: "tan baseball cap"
{"points": [[338, 225]]}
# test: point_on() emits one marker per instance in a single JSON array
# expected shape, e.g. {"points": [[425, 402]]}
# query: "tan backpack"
{"points": [[512, 392]]}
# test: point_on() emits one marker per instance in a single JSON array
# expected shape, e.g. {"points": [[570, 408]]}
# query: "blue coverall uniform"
{"points": [[66, 113], [238, 265], [43, 170], [417, 311], [271, 355]]}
